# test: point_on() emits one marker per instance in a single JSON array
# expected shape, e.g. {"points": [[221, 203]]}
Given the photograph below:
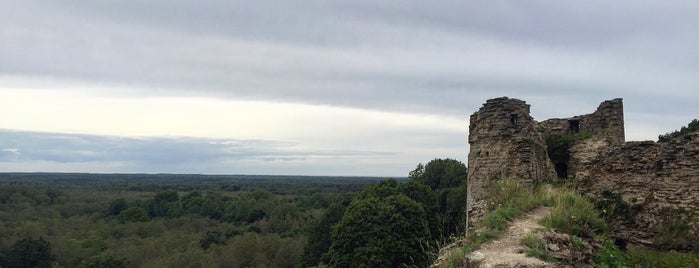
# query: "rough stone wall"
{"points": [[656, 180], [602, 128], [606, 123], [505, 143], [653, 178]]}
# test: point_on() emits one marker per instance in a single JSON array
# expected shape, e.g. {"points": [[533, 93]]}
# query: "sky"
{"points": [[317, 87]]}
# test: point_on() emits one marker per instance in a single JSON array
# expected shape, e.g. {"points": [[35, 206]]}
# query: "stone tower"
{"points": [[505, 142]]}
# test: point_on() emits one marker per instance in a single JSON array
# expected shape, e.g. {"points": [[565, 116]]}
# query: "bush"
{"points": [[610, 256]]}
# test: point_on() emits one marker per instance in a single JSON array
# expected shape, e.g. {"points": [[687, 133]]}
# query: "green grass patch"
{"points": [[642, 257], [574, 214], [536, 248], [508, 199], [638, 257]]}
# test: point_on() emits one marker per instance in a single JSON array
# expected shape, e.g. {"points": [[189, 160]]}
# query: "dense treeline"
{"points": [[391, 224], [68, 220], [691, 127], [63, 222]]}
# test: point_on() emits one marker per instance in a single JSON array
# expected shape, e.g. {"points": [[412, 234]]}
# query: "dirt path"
{"points": [[507, 250]]}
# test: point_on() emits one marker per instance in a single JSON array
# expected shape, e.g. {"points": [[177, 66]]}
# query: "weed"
{"points": [[536, 248], [610, 256], [575, 215]]}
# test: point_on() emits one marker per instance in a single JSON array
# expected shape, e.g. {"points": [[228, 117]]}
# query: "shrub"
{"points": [[611, 256]]}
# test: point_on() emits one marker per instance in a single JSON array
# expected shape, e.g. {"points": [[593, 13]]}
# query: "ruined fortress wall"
{"points": [[606, 123], [505, 143], [600, 129], [657, 180]]}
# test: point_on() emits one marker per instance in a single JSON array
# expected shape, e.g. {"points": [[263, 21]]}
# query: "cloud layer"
{"points": [[441, 59]]}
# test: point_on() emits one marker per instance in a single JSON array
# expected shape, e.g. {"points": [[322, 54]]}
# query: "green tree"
{"points": [[211, 237], [318, 239], [447, 177], [133, 214], [117, 206], [29, 252], [381, 232], [691, 127]]}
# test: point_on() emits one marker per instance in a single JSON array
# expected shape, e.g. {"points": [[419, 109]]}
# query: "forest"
{"points": [[165, 220]]}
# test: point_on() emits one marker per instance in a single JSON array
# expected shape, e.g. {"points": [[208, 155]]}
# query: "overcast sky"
{"points": [[321, 87]]}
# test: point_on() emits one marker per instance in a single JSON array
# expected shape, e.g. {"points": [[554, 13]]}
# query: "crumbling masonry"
{"points": [[654, 180]]}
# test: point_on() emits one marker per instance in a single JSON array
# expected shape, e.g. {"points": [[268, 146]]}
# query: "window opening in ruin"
{"points": [[513, 119], [574, 126]]}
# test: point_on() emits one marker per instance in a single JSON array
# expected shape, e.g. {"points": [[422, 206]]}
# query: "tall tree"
{"points": [[447, 177]]}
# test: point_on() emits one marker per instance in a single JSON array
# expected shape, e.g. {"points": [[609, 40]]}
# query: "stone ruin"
{"points": [[652, 182]]}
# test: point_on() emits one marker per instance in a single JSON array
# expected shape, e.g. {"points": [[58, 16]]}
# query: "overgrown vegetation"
{"points": [[613, 207], [536, 247], [577, 216], [573, 214], [691, 127], [679, 230], [610, 256], [508, 199]]}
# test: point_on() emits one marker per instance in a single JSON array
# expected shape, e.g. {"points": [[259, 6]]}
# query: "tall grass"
{"points": [[574, 214], [570, 213], [507, 200]]}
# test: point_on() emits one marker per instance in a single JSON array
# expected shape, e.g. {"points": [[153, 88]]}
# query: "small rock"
{"points": [[553, 247]]}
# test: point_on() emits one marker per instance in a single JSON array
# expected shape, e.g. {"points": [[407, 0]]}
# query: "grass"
{"points": [[509, 199], [536, 248], [574, 214], [570, 213]]}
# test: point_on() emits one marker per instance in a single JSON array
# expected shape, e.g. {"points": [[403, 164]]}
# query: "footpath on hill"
{"points": [[507, 250]]}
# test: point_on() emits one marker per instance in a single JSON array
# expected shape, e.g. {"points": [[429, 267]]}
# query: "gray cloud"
{"points": [[442, 58], [163, 154]]}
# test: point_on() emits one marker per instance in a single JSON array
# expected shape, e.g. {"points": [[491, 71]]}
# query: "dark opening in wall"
{"points": [[513, 119], [561, 170], [574, 126]]}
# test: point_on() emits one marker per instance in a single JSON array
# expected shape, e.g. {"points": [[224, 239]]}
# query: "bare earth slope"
{"points": [[507, 251]]}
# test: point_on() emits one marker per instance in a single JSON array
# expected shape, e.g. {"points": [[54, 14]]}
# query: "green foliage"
{"points": [[447, 178], [508, 199], [645, 258], [77, 215], [691, 127], [536, 247], [678, 230], [104, 260], [29, 252], [212, 238], [575, 215], [612, 206], [133, 214], [381, 227], [318, 239], [117, 206], [611, 256]]}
